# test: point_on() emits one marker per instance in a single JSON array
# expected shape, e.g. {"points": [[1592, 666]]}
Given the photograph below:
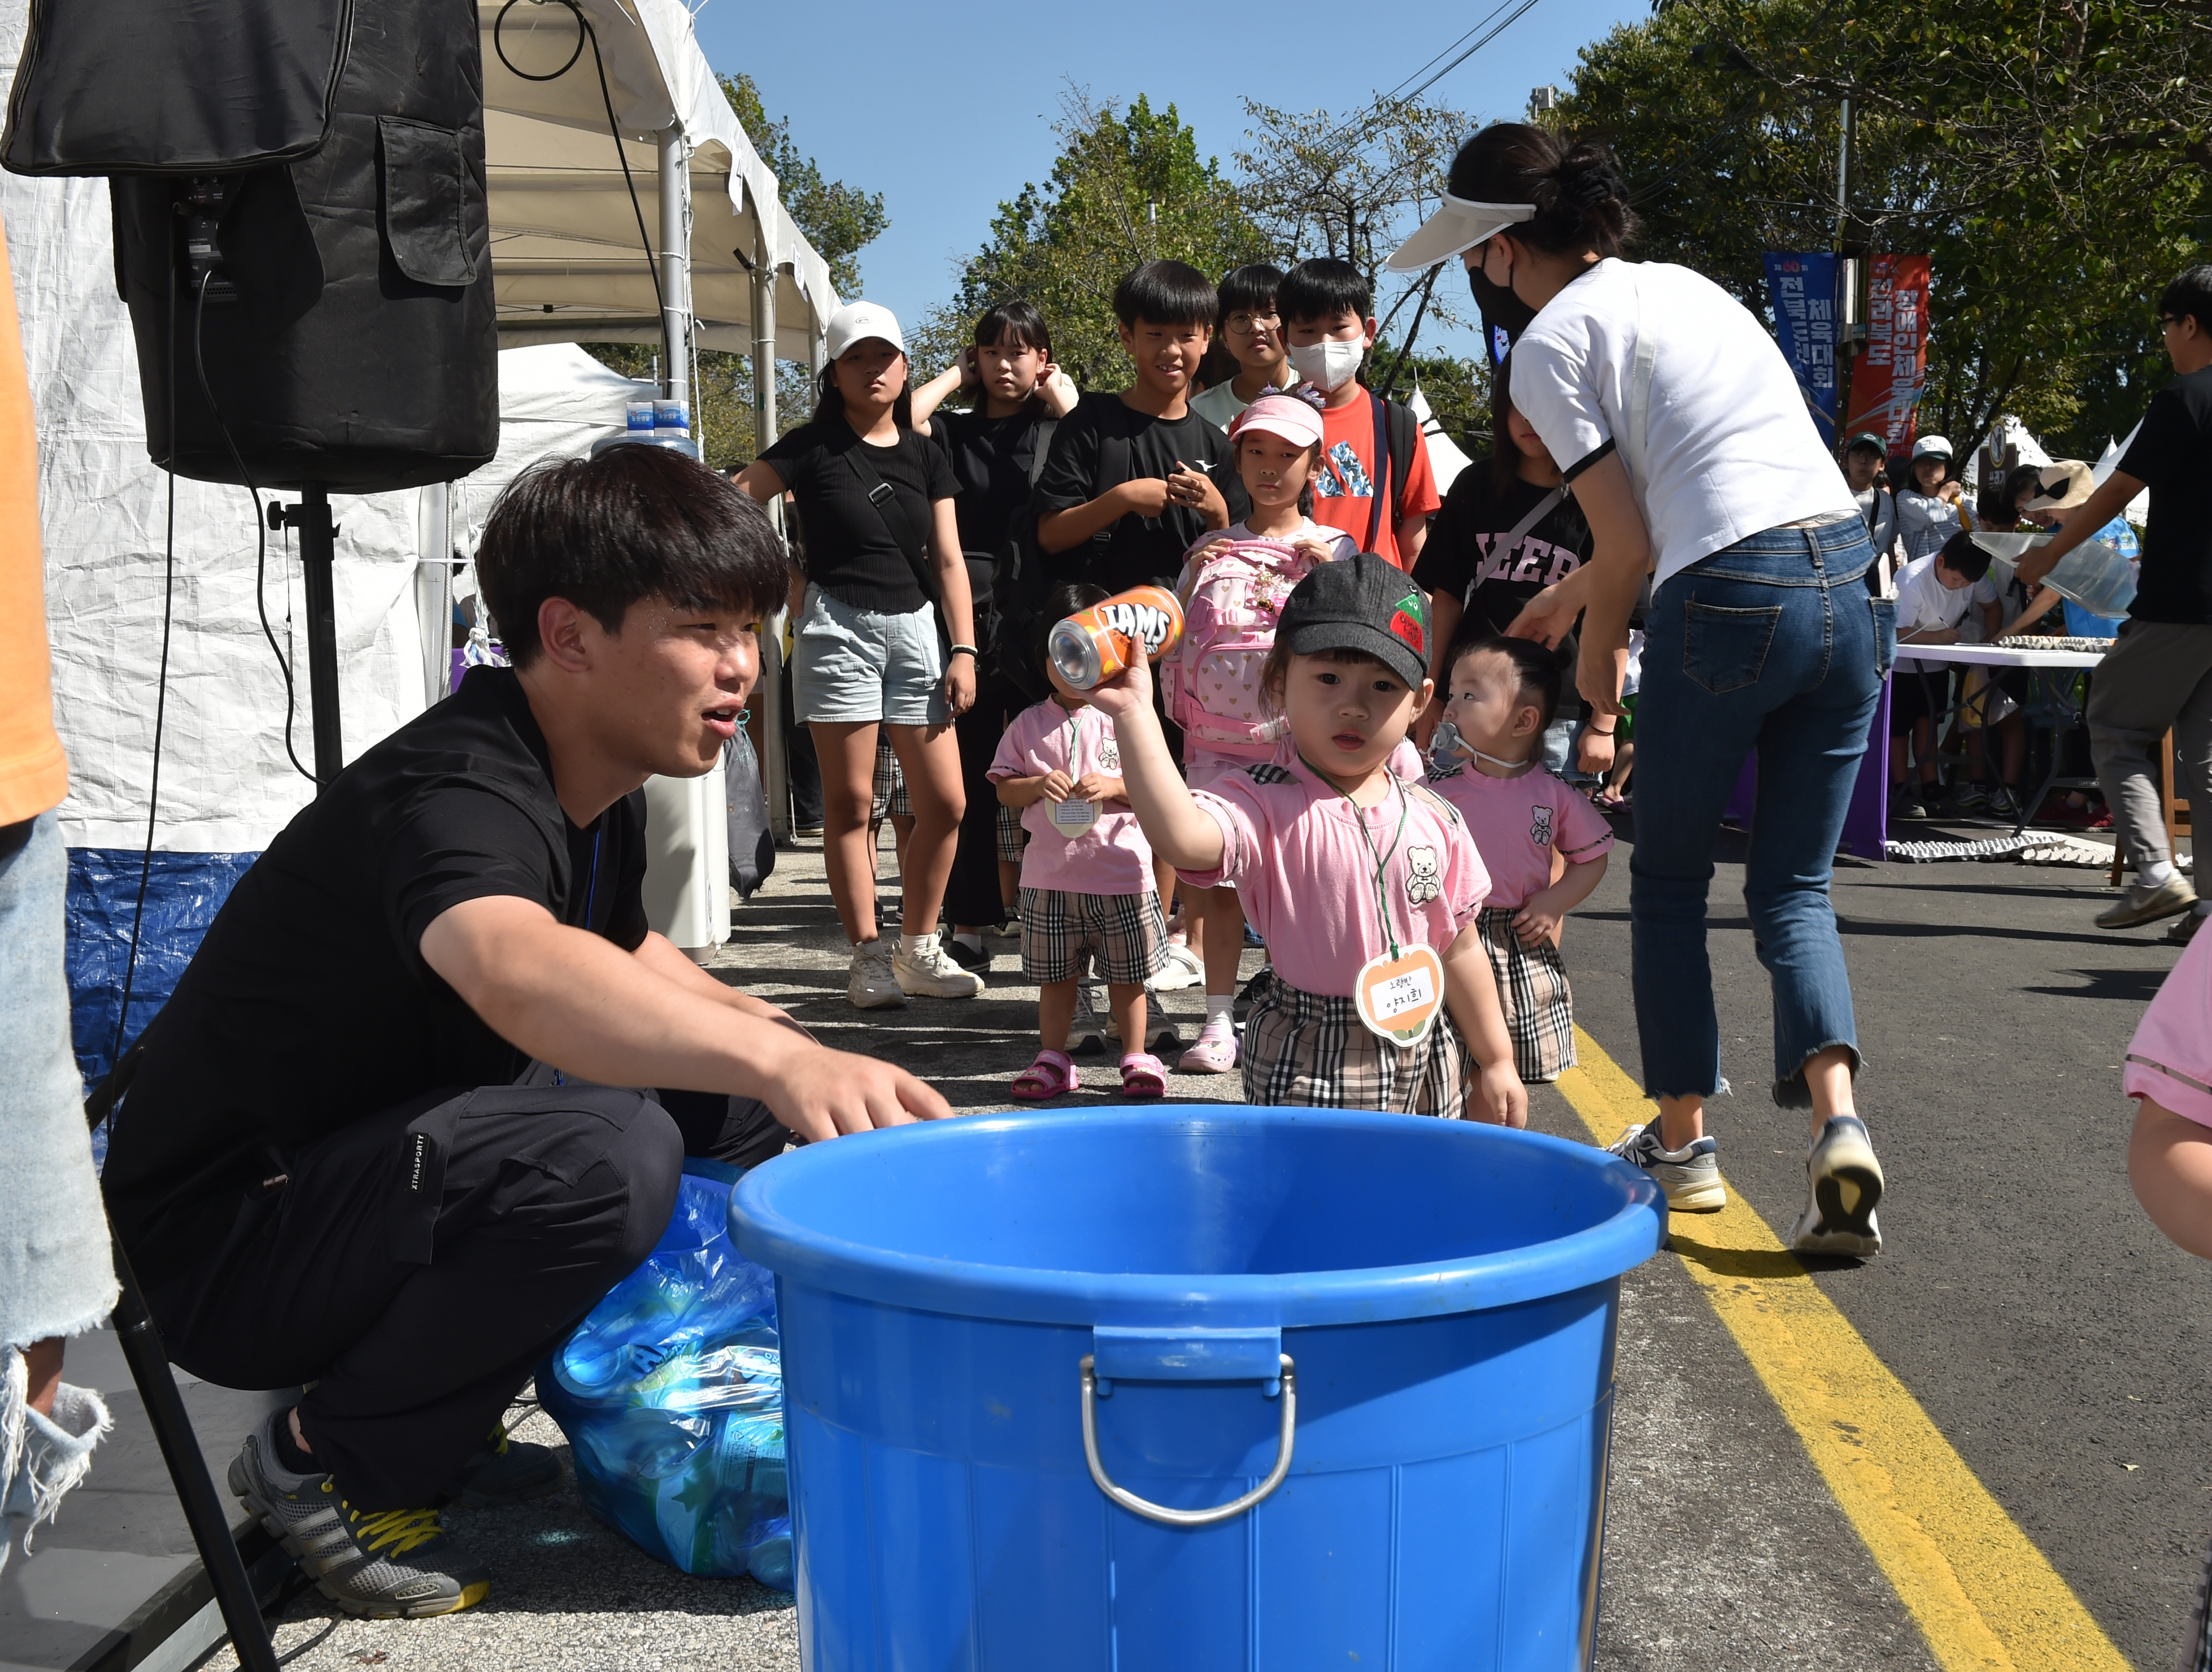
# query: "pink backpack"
{"points": [[1228, 627]]}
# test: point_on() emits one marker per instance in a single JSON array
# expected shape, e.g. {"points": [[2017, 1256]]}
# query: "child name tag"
{"points": [[1398, 998], [1072, 817]]}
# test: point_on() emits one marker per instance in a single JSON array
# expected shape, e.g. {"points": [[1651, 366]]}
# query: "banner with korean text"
{"points": [[1888, 376], [1804, 287]]}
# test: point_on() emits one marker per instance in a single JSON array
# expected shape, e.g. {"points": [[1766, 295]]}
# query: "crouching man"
{"points": [[376, 1141]]}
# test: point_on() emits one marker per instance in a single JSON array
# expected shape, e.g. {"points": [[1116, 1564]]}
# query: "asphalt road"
{"points": [[2022, 1297]]}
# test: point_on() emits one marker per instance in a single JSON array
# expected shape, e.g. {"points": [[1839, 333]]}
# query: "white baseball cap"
{"points": [[1928, 445], [1460, 225], [856, 322]]}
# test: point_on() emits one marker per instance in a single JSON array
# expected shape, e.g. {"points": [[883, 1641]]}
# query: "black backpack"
{"points": [[1397, 433], [1023, 573]]}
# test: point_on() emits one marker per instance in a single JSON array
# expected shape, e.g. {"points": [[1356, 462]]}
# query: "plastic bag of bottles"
{"points": [[671, 1393]]}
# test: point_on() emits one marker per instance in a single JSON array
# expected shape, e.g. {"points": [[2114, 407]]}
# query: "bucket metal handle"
{"points": [[1136, 1506]]}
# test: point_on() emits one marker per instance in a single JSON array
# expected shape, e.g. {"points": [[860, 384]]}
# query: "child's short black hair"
{"points": [[1165, 293], [1248, 290], [2190, 297], [1062, 602], [1323, 287], [1961, 555], [1543, 671]]}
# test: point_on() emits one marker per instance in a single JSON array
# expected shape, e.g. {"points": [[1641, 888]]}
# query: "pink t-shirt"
{"points": [[1201, 765], [1306, 876], [1517, 822], [2170, 1059], [1112, 856]]}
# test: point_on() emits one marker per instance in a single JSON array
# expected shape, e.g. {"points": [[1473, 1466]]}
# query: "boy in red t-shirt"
{"points": [[1327, 312]]}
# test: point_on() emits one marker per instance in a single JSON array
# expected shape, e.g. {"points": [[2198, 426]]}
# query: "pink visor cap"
{"points": [[1285, 416]]}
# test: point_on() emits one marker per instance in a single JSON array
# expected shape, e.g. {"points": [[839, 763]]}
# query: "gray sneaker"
{"points": [[872, 983], [1842, 1182], [2146, 905], [398, 1565], [1691, 1175], [1085, 1035]]}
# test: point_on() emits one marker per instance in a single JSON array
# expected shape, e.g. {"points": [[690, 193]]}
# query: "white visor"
{"points": [[1459, 225]]}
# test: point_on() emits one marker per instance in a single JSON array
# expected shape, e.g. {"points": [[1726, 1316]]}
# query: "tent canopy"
{"points": [[567, 260]]}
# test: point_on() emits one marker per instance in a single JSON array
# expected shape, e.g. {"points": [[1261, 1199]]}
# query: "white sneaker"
{"points": [[1181, 968], [929, 974], [1691, 1175], [1843, 1182], [873, 986]]}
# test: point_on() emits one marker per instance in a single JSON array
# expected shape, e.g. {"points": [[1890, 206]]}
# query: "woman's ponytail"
{"points": [[1581, 199]]}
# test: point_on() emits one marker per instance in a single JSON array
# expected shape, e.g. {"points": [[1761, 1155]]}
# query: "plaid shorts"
{"points": [[1532, 988], [1315, 1052], [1012, 836], [1126, 934], [889, 798]]}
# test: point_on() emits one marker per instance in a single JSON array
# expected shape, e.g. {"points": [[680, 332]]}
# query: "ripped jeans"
{"points": [[1773, 644]]}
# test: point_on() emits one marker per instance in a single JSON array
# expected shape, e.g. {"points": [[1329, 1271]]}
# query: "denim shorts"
{"points": [[850, 665]]}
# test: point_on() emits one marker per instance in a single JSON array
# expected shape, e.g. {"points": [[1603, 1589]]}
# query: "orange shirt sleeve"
{"points": [[34, 771]]}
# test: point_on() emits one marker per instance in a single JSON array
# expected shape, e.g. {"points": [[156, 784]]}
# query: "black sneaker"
{"points": [[977, 962], [1906, 804], [1248, 994], [501, 1471], [397, 1565]]}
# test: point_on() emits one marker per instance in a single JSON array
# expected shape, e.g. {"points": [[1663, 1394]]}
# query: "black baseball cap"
{"points": [[1361, 602]]}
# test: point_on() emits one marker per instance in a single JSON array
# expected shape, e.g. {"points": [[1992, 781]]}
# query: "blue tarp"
{"points": [[184, 892]]}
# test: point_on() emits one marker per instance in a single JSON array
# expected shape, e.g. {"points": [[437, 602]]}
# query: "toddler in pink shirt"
{"points": [[1503, 694], [2169, 1074], [1086, 873]]}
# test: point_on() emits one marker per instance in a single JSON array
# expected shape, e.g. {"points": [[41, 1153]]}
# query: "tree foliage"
{"points": [[2052, 159], [840, 220], [1128, 186]]}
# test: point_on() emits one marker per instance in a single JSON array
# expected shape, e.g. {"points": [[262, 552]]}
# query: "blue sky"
{"points": [[946, 110]]}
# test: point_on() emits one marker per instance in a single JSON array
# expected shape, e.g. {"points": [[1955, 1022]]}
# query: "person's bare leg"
{"points": [[1127, 1001], [846, 753], [43, 1361], [929, 755], [1010, 884], [1056, 1014], [1828, 1078], [1223, 916], [1163, 883], [901, 833], [1681, 1120]]}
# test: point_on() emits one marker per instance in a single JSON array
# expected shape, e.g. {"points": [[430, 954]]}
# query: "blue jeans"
{"points": [[1773, 644]]}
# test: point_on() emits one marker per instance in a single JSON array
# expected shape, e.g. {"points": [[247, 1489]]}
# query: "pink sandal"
{"points": [[1142, 1075], [1214, 1053], [1051, 1075]]}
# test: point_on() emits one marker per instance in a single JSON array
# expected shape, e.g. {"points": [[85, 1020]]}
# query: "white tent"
{"points": [[2138, 509], [1446, 461]]}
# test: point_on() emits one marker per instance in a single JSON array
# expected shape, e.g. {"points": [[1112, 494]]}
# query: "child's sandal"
{"points": [[1142, 1075], [1051, 1075]]}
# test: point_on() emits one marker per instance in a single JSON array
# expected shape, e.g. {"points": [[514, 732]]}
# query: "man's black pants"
{"points": [[417, 1265]]}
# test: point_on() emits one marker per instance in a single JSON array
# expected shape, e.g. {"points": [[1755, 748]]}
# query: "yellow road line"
{"points": [[1982, 1594]]}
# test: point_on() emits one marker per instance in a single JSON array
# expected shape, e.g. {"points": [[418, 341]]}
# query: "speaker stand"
{"points": [[318, 549]]}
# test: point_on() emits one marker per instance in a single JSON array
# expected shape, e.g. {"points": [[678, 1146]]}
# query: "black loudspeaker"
{"points": [[300, 218]]}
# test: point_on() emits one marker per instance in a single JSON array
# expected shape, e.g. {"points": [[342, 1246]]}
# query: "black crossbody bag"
{"points": [[900, 527]]}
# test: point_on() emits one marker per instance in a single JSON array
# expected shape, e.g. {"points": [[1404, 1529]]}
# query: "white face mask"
{"points": [[1328, 365]]}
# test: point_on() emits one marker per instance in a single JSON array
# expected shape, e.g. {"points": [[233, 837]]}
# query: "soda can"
{"points": [[1091, 645]]}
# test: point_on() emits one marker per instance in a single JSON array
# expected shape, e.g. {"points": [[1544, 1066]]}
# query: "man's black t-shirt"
{"points": [[1468, 557], [308, 1004], [991, 459], [2172, 453], [1104, 442], [851, 553]]}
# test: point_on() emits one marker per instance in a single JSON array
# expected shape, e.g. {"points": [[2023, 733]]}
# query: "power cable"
{"points": [[1458, 58], [622, 152]]}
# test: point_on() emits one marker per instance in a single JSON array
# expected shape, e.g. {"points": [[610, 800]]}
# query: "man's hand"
{"points": [[2034, 563], [821, 1093]]}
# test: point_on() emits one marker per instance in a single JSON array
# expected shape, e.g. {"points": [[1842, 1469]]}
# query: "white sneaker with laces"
{"points": [[1179, 969], [929, 974], [1691, 1175], [873, 986]]}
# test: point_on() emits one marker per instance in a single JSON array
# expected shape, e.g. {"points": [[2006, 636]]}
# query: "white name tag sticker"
{"points": [[1398, 998], [1073, 817]]}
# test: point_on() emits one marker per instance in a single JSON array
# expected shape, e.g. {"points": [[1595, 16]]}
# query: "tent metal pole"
{"points": [[675, 197], [776, 758]]}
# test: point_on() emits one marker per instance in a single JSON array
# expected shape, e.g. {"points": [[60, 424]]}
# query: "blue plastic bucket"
{"points": [[1015, 1348]]}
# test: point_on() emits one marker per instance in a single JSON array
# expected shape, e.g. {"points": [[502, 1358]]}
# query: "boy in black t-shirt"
{"points": [[1134, 478], [382, 1141], [2159, 676]]}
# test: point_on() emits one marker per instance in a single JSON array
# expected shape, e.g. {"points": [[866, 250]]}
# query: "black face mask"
{"points": [[1501, 309]]}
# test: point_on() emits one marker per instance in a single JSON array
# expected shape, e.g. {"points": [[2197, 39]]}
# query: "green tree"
{"points": [[1128, 186], [2051, 160], [840, 220]]}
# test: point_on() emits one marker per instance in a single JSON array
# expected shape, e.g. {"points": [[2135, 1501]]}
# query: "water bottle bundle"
{"points": [[671, 1393]]}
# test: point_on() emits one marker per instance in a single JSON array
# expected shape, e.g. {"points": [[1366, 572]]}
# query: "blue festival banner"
{"points": [[1804, 287]]}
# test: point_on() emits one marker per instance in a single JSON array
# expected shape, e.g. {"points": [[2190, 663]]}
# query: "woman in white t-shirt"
{"points": [[1691, 455]]}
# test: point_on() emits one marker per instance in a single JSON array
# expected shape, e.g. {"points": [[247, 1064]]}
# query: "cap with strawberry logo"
{"points": [[1364, 604]]}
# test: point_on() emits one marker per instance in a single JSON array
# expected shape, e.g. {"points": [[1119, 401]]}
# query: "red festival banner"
{"points": [[1888, 375]]}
